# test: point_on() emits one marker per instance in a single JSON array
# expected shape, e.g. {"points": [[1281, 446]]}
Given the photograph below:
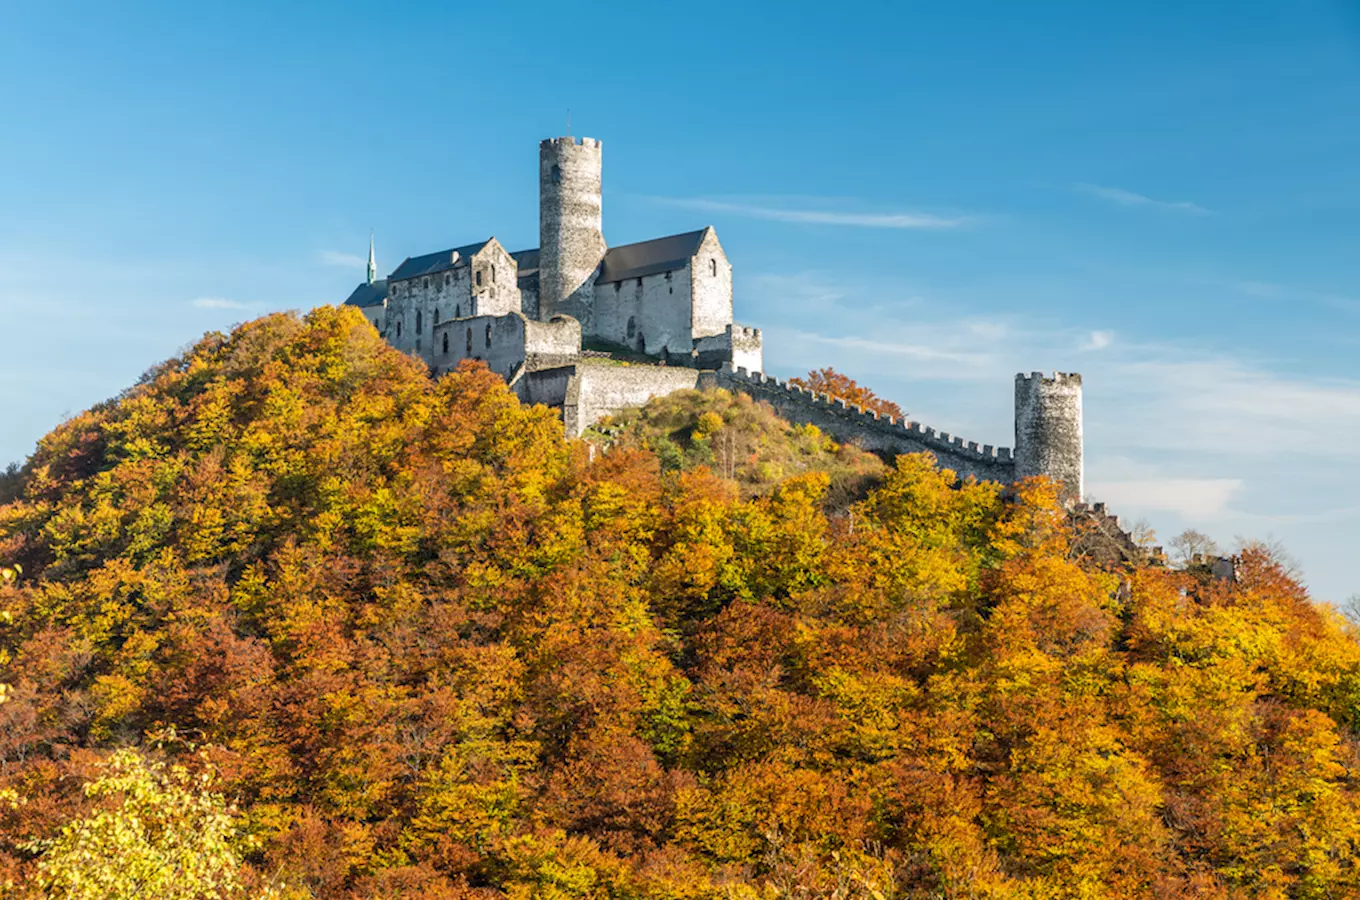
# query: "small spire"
{"points": [[372, 261]]}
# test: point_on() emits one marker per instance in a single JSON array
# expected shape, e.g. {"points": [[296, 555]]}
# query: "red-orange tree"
{"points": [[829, 381]]}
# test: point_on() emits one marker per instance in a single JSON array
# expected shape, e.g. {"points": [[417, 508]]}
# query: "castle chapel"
{"points": [[594, 330]]}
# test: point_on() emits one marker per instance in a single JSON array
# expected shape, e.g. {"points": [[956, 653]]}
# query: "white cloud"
{"points": [[343, 260], [774, 213], [1191, 498], [892, 348], [217, 303], [1130, 198], [1098, 340]]}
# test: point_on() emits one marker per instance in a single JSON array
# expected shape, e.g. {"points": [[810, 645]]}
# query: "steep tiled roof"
{"points": [[435, 262], [369, 294], [649, 257]]}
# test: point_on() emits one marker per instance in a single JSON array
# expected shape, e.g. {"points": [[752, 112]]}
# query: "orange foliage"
{"points": [[431, 649], [829, 381]]}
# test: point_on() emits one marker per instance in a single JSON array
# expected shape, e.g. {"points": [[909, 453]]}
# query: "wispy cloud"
{"points": [[1192, 498], [1098, 340], [343, 260], [776, 213], [218, 303], [920, 352], [1131, 198]]}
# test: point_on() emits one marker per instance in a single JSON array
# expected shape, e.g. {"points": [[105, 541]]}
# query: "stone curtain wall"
{"points": [[852, 424]]}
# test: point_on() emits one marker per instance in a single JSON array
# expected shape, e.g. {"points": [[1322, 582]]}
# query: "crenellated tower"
{"points": [[570, 225], [1048, 430]]}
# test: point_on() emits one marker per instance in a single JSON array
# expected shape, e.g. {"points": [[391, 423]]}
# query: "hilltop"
{"points": [[426, 646]]}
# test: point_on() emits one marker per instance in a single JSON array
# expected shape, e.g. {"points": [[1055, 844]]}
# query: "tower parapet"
{"points": [[570, 224], [1048, 430]]}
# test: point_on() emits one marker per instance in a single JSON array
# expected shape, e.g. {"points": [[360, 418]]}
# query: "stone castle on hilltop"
{"points": [[594, 330]]}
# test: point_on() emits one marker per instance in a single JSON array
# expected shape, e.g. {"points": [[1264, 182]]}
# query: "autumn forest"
{"points": [[291, 619]]}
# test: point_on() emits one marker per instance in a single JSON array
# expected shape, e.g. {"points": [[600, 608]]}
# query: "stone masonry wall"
{"points": [[494, 282], [656, 306], [498, 340], [739, 345], [552, 343], [712, 280], [1048, 429], [570, 226], [851, 424], [598, 388], [424, 303]]}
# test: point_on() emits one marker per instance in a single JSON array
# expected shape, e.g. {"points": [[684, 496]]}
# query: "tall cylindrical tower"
{"points": [[1048, 430], [570, 225]]}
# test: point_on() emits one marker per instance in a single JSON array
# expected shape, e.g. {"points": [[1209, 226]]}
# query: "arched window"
{"points": [[398, 327], [458, 311], [488, 334], [469, 344], [446, 343], [632, 327], [436, 315], [713, 267], [420, 323], [556, 174], [479, 279], [641, 343], [493, 274]]}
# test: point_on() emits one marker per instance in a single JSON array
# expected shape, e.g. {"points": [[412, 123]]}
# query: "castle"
{"points": [[593, 330]]}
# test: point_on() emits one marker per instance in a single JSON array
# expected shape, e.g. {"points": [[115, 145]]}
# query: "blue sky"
{"points": [[928, 196]]}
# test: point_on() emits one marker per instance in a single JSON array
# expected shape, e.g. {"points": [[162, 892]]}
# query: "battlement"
{"points": [[871, 430], [570, 142], [1072, 379]]}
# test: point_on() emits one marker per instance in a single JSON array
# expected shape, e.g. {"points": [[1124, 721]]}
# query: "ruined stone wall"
{"points": [[869, 430], [498, 340], [649, 314], [570, 226], [1048, 429], [740, 345], [552, 343], [599, 388], [711, 304], [421, 304], [493, 280]]}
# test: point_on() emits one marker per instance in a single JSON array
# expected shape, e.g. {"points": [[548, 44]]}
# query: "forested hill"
{"points": [[425, 647]]}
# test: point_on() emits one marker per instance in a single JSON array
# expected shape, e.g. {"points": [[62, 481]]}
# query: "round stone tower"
{"points": [[1048, 430], [570, 223]]}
